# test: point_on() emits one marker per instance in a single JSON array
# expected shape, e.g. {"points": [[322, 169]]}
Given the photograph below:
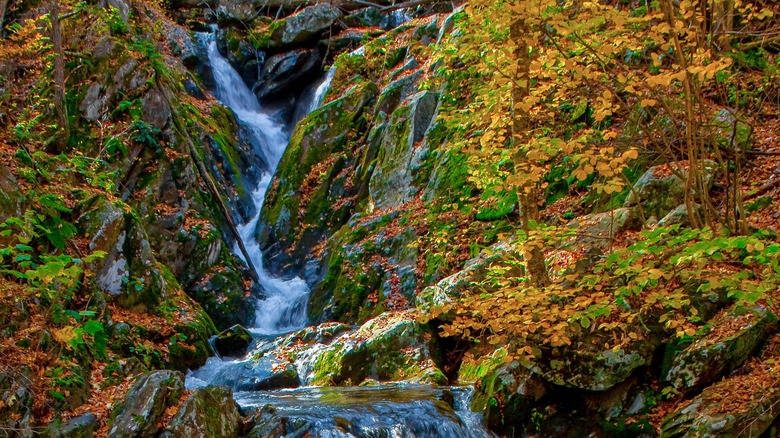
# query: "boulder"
{"points": [[590, 365], [677, 216], [83, 426], [729, 132], [730, 341], [139, 414], [10, 194], [401, 154], [597, 230], [310, 197], [269, 424], [235, 10], [348, 39], [660, 191], [233, 342], [93, 105], [739, 406], [303, 26], [288, 72], [518, 390], [16, 398], [208, 412], [364, 17], [447, 290], [155, 109], [390, 347]]}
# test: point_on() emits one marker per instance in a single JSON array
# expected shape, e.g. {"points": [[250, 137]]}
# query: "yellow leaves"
{"points": [[582, 172], [662, 79], [655, 274], [65, 335], [648, 103], [631, 154]]}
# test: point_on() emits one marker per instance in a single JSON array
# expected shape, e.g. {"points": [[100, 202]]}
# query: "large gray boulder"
{"points": [[83, 426], [287, 72], [731, 339], [391, 347], [208, 412], [739, 406], [139, 414], [660, 190], [598, 230], [402, 154], [307, 25]]}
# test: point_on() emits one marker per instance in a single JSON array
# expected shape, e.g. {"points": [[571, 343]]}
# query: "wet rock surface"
{"points": [[139, 414]]}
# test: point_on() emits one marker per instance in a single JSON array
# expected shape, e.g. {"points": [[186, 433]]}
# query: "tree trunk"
{"points": [[3, 9], [723, 23], [63, 128], [527, 194]]}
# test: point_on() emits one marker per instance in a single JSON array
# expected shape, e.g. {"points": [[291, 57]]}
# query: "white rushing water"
{"points": [[284, 307]]}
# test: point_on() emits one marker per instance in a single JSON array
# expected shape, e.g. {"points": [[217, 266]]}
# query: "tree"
{"points": [[63, 128]]}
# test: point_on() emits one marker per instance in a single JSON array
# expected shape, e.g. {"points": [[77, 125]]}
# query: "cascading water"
{"points": [[284, 306], [402, 411]]}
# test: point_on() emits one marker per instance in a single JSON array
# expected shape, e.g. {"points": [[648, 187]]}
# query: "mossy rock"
{"points": [[737, 406], [517, 389], [139, 413], [315, 173], [730, 340], [10, 195], [208, 412], [233, 341], [391, 347]]}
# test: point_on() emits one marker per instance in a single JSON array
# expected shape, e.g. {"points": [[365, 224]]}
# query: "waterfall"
{"points": [[284, 306]]}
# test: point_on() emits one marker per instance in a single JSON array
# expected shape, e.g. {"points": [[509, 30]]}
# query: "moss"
{"points": [[472, 371], [328, 366], [266, 34]]}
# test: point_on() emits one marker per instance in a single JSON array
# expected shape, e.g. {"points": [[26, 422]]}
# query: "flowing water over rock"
{"points": [[397, 410], [284, 306]]}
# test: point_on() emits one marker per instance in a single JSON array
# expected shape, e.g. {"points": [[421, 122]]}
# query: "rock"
{"points": [[597, 230], [730, 133], [288, 72], [661, 191], [738, 406], [235, 10], [390, 347], [395, 179], [269, 424], [281, 377], [10, 195], [233, 342], [348, 39], [208, 412], [92, 107], [155, 110], [319, 153], [139, 414], [184, 46], [17, 401], [365, 17], [83, 426], [731, 339], [121, 7], [518, 389], [677, 216], [451, 288], [303, 26]]}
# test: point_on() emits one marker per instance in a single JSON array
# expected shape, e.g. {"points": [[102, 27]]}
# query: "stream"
{"points": [[389, 410]]}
